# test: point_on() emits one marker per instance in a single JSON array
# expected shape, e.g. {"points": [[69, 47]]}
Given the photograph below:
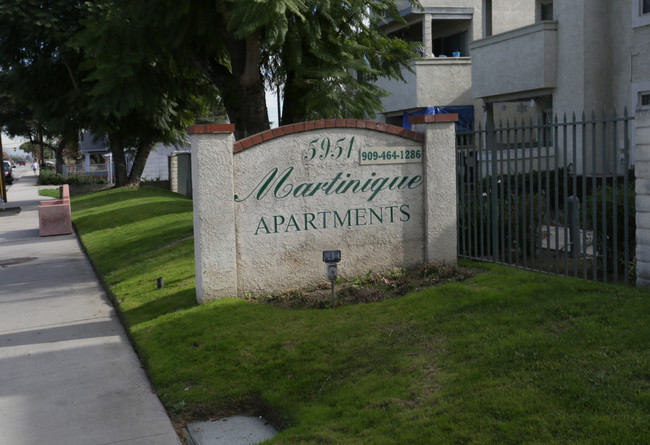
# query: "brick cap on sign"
{"points": [[433, 118], [325, 123], [211, 128]]}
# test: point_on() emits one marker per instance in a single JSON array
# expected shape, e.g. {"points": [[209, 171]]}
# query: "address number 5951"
{"points": [[322, 149]]}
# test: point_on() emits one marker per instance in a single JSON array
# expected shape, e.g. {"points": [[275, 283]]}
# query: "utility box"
{"points": [[180, 172]]}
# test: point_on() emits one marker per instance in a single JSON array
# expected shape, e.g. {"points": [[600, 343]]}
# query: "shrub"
{"points": [[47, 176], [518, 218], [613, 205]]}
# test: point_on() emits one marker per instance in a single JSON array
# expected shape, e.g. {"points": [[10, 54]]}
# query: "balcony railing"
{"points": [[435, 82], [521, 60]]}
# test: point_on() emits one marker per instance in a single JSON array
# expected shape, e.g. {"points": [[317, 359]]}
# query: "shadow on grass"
{"points": [[135, 213], [180, 300], [125, 249]]}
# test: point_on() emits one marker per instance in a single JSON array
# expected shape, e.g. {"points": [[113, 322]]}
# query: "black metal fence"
{"points": [[554, 196]]}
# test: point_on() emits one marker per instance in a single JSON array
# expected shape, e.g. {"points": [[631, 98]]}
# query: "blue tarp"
{"points": [[465, 115]]}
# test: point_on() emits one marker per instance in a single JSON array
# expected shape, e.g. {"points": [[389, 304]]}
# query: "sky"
{"points": [[272, 107], [7, 142], [8, 145]]}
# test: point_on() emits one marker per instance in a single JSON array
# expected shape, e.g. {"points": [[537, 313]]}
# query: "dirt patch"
{"points": [[368, 288]]}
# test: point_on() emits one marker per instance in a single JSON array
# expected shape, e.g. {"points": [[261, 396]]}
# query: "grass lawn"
{"points": [[50, 192], [507, 356]]}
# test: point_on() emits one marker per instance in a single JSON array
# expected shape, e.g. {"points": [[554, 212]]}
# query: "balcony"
{"points": [[516, 62], [435, 82]]}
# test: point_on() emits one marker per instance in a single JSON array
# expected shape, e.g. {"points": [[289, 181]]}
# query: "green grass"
{"points": [[508, 356], [52, 192]]}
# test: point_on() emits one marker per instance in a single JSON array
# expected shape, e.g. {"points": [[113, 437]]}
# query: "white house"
{"points": [[97, 158]]}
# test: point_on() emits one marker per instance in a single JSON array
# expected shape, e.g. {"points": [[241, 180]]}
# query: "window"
{"points": [[644, 100], [545, 10], [487, 16], [448, 45], [640, 13]]}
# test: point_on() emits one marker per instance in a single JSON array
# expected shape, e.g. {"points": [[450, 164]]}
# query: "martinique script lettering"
{"points": [[280, 185]]}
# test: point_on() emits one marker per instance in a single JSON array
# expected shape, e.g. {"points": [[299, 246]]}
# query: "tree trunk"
{"points": [[241, 85], [58, 154], [250, 116], [292, 111], [119, 160], [140, 161]]}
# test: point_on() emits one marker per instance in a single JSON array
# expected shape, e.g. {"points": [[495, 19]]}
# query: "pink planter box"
{"points": [[54, 216]]}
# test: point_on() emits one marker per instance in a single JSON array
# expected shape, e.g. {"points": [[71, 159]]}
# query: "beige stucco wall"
{"points": [[403, 95], [452, 77], [436, 82], [509, 15], [523, 60], [280, 236], [214, 219], [640, 56]]}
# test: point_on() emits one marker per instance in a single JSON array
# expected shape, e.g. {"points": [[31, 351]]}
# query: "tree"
{"points": [[20, 120], [315, 49], [328, 62], [139, 96], [41, 97], [64, 78]]}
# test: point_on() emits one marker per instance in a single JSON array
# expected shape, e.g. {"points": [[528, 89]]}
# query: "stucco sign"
{"points": [[266, 207]]}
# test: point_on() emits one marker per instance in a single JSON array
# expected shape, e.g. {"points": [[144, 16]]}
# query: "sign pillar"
{"points": [[214, 212], [440, 212]]}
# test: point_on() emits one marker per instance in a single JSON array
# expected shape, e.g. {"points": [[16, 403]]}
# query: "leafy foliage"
{"points": [[329, 58], [323, 54], [47, 176], [42, 93]]}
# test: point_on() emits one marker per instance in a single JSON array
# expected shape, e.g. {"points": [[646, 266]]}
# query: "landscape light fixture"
{"points": [[331, 258]]}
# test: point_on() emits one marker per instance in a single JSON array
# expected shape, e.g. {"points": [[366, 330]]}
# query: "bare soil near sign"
{"points": [[368, 288]]}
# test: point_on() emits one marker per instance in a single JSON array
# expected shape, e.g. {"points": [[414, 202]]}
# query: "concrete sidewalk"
{"points": [[68, 374]]}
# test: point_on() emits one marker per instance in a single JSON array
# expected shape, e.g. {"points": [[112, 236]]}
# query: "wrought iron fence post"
{"points": [[493, 194], [574, 225]]}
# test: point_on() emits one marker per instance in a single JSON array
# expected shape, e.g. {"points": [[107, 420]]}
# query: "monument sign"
{"points": [[266, 207]]}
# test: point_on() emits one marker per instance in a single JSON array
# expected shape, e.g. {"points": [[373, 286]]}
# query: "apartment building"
{"points": [[441, 80], [578, 55]]}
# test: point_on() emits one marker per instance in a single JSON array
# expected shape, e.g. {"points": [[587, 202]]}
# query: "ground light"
{"points": [[331, 258]]}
